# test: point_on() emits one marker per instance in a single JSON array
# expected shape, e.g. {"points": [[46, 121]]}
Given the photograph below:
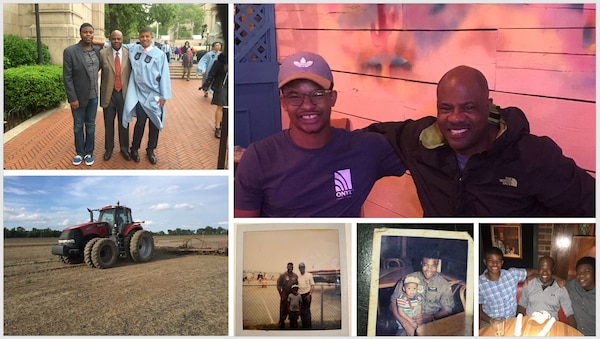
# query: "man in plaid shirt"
{"points": [[498, 287]]}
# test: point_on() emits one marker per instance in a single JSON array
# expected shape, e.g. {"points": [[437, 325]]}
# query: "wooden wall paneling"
{"points": [[327, 16], [571, 124], [555, 40], [561, 248], [419, 56], [435, 16], [546, 74], [580, 247], [494, 16], [566, 85], [379, 99]]}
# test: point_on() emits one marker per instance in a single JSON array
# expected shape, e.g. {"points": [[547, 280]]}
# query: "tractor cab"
{"points": [[116, 217]]}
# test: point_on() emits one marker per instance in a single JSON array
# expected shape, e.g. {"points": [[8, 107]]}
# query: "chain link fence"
{"points": [[260, 304]]}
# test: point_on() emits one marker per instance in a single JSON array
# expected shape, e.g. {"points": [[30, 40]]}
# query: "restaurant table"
{"points": [[454, 325], [531, 328], [388, 277]]}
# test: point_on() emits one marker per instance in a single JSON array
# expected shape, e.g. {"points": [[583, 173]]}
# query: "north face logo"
{"points": [[509, 181], [342, 180]]}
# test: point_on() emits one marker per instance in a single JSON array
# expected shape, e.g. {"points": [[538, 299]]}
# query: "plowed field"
{"points": [[172, 294]]}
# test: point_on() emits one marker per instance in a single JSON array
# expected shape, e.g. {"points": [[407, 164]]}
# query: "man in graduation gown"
{"points": [[150, 88]]}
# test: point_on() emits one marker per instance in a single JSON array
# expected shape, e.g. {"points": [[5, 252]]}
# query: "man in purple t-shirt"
{"points": [[310, 169]]}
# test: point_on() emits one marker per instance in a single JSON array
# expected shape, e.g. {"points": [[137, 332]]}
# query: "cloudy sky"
{"points": [[270, 251], [163, 202]]}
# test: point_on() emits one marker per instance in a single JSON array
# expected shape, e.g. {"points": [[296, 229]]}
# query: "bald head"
{"points": [[116, 39], [463, 75], [464, 105]]}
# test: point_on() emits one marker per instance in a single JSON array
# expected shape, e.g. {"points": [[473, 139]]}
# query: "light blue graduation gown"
{"points": [[205, 63], [149, 79]]}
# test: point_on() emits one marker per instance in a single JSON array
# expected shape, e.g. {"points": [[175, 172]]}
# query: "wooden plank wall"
{"points": [[387, 59]]}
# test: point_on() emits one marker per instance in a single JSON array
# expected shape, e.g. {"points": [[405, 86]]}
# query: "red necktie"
{"points": [[118, 72]]}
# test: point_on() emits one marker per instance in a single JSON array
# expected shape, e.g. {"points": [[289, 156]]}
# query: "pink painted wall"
{"points": [[388, 58]]}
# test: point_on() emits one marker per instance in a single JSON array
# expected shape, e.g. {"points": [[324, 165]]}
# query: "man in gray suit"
{"points": [[113, 89], [81, 63]]}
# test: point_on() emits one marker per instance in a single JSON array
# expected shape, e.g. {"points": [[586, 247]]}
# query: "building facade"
{"points": [[59, 23]]}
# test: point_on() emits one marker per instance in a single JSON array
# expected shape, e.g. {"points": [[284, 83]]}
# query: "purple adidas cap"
{"points": [[305, 65]]}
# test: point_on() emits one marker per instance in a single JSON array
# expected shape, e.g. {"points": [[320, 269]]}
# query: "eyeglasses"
{"points": [[317, 97]]}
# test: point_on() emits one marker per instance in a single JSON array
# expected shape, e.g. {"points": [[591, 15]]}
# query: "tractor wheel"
{"points": [[87, 252], [104, 253], [72, 260], [127, 243], [142, 245]]}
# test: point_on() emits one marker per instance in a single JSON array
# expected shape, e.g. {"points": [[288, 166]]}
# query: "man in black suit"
{"points": [[81, 63]]}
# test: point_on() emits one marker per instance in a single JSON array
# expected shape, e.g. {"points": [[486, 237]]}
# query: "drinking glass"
{"points": [[498, 326]]}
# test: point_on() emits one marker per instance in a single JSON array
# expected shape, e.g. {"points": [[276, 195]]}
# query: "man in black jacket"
{"points": [[81, 63], [477, 159]]}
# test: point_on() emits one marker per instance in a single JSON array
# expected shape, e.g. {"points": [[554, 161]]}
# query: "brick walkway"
{"points": [[186, 142]]}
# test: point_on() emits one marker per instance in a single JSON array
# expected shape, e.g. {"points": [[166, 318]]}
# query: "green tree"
{"points": [[188, 16], [164, 14], [128, 18]]}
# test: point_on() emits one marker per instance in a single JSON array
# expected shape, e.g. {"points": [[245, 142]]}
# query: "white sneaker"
{"points": [[89, 160], [77, 160]]}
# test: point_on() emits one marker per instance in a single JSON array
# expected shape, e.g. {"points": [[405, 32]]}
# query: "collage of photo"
{"points": [[371, 169]]}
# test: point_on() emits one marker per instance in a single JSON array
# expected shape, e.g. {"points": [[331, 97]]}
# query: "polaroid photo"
{"points": [[274, 292], [423, 274]]}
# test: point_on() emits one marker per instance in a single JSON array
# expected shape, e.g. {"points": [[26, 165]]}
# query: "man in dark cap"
{"points": [[311, 169], [306, 285]]}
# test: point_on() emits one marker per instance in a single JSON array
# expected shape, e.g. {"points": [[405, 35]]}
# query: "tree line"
{"points": [[21, 232], [185, 19]]}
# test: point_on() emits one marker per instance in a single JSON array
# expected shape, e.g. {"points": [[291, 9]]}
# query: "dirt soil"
{"points": [[172, 294]]}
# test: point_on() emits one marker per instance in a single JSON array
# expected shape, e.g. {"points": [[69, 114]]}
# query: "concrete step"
{"points": [[176, 70]]}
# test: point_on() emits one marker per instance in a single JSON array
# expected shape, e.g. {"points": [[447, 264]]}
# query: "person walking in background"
{"points": [[177, 49], [217, 80], [166, 48], [188, 61], [284, 287], [184, 48], [306, 286], [205, 64], [199, 54], [151, 88], [116, 69], [81, 63]]}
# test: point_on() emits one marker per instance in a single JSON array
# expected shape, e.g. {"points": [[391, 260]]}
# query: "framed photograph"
{"points": [[438, 264], [273, 258], [508, 239]]}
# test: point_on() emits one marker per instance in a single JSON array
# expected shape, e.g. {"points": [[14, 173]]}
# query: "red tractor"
{"points": [[99, 243]]}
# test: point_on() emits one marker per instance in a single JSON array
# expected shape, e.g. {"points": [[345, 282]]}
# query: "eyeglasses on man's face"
{"points": [[317, 97]]}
